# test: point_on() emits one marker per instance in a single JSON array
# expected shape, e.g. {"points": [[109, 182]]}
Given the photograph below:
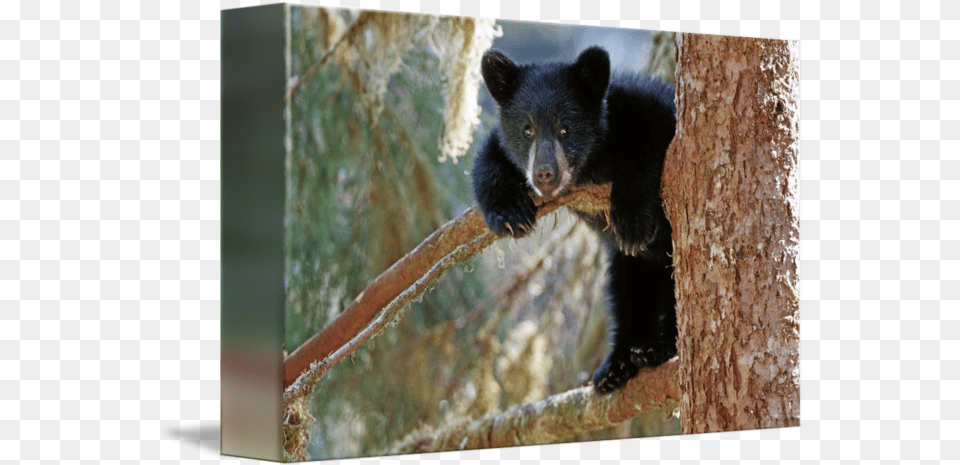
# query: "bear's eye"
{"points": [[527, 132], [564, 131]]}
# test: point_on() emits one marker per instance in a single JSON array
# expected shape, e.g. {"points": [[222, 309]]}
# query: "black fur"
{"points": [[582, 127]]}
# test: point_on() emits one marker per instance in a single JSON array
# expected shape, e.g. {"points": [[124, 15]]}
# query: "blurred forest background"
{"points": [[378, 157]]}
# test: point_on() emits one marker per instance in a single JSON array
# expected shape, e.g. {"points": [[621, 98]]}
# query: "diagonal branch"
{"points": [[305, 382], [466, 235]]}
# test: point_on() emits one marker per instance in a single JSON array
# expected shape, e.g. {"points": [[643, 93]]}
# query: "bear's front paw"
{"points": [[516, 218], [614, 372], [634, 231]]}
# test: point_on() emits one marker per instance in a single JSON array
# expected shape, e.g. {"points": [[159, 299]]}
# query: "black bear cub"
{"points": [[567, 124]]}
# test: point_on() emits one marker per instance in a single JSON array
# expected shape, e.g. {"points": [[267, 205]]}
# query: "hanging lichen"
{"points": [[466, 40], [376, 43]]}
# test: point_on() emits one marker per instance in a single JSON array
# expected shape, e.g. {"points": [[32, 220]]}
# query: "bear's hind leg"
{"points": [[643, 321]]}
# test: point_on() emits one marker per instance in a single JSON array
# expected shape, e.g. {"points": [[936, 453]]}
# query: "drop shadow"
{"points": [[204, 436]]}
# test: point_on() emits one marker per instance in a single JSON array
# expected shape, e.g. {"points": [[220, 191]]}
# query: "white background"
{"points": [[109, 228]]}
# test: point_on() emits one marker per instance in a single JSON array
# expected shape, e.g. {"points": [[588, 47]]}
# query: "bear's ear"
{"points": [[501, 75], [592, 71]]}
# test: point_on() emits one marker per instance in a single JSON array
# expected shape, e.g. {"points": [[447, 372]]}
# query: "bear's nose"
{"points": [[545, 174]]}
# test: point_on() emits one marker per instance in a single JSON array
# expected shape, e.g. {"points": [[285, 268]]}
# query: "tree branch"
{"points": [[463, 236], [556, 418]]}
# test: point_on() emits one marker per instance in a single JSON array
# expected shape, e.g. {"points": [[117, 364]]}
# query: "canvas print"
{"points": [[501, 233]]}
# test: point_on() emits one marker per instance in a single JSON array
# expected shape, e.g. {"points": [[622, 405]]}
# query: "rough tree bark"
{"points": [[730, 190]]}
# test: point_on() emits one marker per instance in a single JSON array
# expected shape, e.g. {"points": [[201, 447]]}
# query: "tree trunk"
{"points": [[730, 191]]}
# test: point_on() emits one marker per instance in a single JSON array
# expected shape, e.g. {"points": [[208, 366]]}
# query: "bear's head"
{"points": [[552, 115]]}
